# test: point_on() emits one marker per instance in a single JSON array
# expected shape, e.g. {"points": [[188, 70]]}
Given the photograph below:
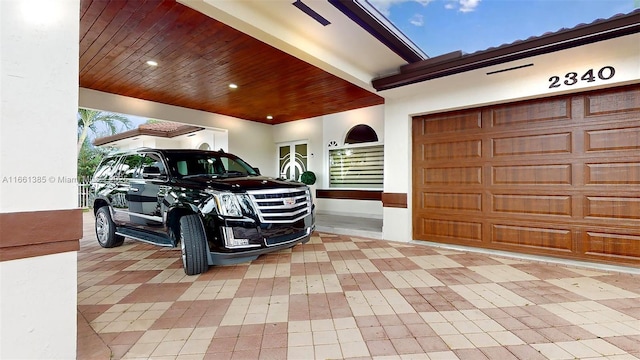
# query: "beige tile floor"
{"points": [[343, 296]]}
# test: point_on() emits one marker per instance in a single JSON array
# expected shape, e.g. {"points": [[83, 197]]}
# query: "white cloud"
{"points": [[384, 6], [468, 5], [464, 6], [417, 20]]}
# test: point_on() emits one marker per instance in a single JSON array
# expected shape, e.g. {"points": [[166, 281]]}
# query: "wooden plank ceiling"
{"points": [[198, 58]]}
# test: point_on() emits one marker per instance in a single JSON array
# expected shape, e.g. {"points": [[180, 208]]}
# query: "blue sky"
{"points": [[442, 26]]}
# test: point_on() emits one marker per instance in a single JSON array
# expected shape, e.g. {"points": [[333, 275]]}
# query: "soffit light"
{"points": [[269, 117], [152, 63], [233, 86]]}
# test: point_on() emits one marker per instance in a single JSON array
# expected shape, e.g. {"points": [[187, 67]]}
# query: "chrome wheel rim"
{"points": [[183, 249], [102, 227]]}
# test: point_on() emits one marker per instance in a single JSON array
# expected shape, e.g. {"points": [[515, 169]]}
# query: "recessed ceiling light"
{"points": [[233, 86], [152, 63], [269, 117]]}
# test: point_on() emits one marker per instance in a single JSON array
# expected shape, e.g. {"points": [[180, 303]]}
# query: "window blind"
{"points": [[357, 167]]}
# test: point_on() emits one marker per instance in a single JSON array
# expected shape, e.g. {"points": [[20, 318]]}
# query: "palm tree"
{"points": [[89, 119]]}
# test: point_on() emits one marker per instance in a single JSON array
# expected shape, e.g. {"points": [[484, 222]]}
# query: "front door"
{"points": [[292, 160]]}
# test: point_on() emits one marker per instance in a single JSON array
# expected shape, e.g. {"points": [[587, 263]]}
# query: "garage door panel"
{"points": [[521, 204], [615, 246], [452, 230], [612, 103], [613, 208], [539, 177], [542, 174], [471, 175], [452, 201], [615, 139], [469, 149], [454, 122], [624, 173], [531, 113], [544, 144], [539, 238]]}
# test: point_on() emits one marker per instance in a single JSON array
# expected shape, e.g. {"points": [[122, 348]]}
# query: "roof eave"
{"points": [[364, 15], [138, 132], [454, 63]]}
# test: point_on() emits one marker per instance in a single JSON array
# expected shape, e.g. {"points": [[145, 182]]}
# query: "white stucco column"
{"points": [[39, 221], [396, 224]]}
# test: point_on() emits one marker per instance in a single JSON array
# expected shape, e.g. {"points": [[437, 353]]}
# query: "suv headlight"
{"points": [[226, 203]]}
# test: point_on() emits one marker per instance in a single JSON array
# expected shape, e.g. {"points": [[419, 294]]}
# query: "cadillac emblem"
{"points": [[289, 201]]}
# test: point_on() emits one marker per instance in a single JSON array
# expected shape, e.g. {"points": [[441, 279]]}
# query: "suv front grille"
{"points": [[281, 205]]}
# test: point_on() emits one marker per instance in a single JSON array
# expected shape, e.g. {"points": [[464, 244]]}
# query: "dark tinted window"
{"points": [[153, 164], [105, 169], [361, 134], [129, 166], [208, 165]]}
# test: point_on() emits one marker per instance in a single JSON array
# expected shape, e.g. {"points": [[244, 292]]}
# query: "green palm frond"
{"points": [[89, 121], [91, 118]]}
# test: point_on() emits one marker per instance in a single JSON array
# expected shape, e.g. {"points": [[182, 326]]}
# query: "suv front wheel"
{"points": [[106, 229], [193, 244]]}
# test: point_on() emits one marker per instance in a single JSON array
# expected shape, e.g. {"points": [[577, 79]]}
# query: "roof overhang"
{"points": [[456, 62], [343, 48], [140, 131]]}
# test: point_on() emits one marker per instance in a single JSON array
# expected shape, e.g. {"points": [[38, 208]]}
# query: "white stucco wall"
{"points": [[336, 126], [476, 88], [38, 307], [319, 132], [308, 130], [38, 91], [215, 139], [250, 140]]}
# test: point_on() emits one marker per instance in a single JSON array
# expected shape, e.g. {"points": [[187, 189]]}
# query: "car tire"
{"points": [[193, 244], [106, 229]]}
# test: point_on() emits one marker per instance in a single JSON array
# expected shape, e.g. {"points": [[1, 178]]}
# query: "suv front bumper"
{"points": [[245, 240], [244, 255]]}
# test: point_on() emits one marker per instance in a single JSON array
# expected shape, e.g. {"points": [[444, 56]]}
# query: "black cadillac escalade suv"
{"points": [[216, 207]]}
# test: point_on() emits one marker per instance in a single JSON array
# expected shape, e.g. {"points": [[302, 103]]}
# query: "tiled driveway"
{"points": [[344, 297]]}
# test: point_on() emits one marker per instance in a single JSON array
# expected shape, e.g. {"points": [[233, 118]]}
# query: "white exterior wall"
{"points": [[216, 139], [319, 132], [308, 130], [335, 128], [476, 88], [39, 92], [250, 140]]}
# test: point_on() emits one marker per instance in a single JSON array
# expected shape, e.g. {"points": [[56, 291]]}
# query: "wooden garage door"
{"points": [[557, 176]]}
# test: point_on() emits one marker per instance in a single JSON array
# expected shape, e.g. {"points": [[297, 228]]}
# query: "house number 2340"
{"points": [[572, 78]]}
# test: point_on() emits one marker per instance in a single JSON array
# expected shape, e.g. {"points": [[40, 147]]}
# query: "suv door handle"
{"points": [[133, 189]]}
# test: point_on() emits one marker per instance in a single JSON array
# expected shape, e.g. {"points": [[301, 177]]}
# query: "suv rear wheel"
{"points": [[106, 229], [193, 244]]}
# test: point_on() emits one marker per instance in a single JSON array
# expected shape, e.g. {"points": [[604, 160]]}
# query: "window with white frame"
{"points": [[360, 163]]}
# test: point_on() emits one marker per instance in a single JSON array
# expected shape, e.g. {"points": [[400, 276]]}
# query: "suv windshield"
{"points": [[212, 165]]}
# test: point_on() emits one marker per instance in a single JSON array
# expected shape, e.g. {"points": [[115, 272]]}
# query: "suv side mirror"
{"points": [[151, 172], [257, 170]]}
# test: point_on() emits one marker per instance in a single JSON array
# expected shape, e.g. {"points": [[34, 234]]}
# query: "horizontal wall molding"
{"points": [[372, 195], [39, 233], [394, 200]]}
